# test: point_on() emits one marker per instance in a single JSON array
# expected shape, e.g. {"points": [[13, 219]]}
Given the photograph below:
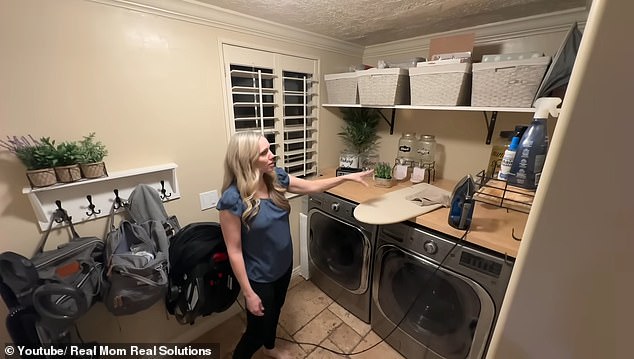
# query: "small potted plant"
{"points": [[68, 155], [383, 175], [37, 156], [92, 153]]}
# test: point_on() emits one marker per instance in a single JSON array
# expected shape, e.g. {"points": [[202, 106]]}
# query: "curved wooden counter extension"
{"points": [[492, 227]]}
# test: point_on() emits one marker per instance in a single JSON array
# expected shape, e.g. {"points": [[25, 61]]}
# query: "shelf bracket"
{"points": [[490, 124], [391, 121]]}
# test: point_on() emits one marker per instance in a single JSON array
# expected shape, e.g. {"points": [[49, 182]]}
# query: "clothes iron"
{"points": [[462, 203]]}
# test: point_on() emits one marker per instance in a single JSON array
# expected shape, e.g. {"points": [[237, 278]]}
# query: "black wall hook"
{"points": [[60, 213], [163, 190], [118, 203], [91, 207]]}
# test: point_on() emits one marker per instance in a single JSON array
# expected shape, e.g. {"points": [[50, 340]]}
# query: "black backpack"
{"points": [[201, 281]]}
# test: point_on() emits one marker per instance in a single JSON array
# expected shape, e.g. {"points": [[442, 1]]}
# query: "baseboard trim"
{"points": [[206, 324]]}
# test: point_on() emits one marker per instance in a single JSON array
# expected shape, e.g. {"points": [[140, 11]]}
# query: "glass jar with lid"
{"points": [[407, 147], [426, 149]]}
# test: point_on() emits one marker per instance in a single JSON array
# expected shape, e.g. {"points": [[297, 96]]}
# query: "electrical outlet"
{"points": [[208, 200]]}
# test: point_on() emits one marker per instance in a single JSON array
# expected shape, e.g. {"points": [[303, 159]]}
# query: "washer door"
{"points": [[339, 250], [443, 311]]}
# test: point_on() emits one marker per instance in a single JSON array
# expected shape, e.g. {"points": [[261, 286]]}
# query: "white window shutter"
{"points": [[276, 95]]}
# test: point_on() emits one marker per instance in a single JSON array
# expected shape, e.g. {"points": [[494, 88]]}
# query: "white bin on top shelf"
{"points": [[512, 83], [437, 83], [342, 88], [384, 86]]}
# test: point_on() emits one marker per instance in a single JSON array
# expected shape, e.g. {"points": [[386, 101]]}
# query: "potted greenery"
{"points": [[92, 153], [383, 175], [68, 155], [37, 156], [359, 133]]}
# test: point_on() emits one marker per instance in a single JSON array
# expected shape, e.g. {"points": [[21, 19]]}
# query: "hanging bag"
{"points": [[60, 284], [201, 279], [69, 276], [136, 273]]}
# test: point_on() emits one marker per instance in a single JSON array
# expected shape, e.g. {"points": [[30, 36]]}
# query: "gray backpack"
{"points": [[136, 254], [136, 273], [58, 285]]}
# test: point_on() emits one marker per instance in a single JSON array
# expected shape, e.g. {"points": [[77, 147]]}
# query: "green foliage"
{"points": [[91, 151], [67, 153], [33, 154], [359, 133], [383, 170]]}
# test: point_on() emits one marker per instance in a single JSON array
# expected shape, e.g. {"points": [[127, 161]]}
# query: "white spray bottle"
{"points": [[531, 151]]}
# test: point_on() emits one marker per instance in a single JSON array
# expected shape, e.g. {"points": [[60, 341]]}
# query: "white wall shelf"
{"points": [[489, 121], [73, 196]]}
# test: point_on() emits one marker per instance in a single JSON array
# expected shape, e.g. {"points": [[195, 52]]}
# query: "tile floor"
{"points": [[309, 316]]}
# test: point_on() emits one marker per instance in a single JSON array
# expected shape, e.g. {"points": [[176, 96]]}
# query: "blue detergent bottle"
{"points": [[533, 146]]}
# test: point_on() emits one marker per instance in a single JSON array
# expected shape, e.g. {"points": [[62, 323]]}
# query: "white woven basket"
{"points": [[507, 83], [440, 84], [342, 88], [384, 86]]}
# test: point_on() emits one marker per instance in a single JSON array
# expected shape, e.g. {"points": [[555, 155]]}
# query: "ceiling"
{"points": [[370, 22]]}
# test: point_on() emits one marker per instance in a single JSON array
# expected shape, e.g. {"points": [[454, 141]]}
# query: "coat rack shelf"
{"points": [[86, 200]]}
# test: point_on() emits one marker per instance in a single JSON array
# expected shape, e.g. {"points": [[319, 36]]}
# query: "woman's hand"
{"points": [[359, 176], [254, 305]]}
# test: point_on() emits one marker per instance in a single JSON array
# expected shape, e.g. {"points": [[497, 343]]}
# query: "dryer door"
{"points": [[443, 311], [339, 250]]}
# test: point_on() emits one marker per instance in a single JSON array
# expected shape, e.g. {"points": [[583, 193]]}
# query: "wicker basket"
{"points": [[93, 170], [440, 84], [66, 174], [507, 83], [342, 88], [42, 177], [384, 86]]}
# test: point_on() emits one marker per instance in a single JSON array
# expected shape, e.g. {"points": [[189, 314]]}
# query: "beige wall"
{"points": [[150, 87]]}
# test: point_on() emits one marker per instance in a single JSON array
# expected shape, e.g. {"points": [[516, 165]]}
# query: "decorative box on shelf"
{"points": [[499, 193], [384, 86], [445, 84], [510, 83], [342, 88], [77, 198]]}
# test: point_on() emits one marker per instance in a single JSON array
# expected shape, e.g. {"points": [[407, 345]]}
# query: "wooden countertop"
{"points": [[491, 226]]}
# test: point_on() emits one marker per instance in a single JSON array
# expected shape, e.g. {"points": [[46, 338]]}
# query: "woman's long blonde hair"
{"points": [[242, 153]]}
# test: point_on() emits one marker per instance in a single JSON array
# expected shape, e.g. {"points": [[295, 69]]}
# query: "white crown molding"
{"points": [[490, 33], [208, 15]]}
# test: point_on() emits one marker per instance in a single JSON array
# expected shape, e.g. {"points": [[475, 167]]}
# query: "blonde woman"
{"points": [[254, 221]]}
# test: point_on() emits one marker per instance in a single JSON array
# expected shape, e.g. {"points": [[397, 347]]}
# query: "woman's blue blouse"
{"points": [[267, 247]]}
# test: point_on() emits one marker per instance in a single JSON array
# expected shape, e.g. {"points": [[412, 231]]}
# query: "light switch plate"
{"points": [[208, 200]]}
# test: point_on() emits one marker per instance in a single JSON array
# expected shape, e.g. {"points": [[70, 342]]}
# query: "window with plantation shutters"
{"points": [[276, 95], [253, 101], [299, 140]]}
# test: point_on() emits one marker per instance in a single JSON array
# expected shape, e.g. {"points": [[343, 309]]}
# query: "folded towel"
{"points": [[429, 195]]}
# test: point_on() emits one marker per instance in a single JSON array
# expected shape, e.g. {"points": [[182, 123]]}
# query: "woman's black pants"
{"points": [[261, 330]]}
